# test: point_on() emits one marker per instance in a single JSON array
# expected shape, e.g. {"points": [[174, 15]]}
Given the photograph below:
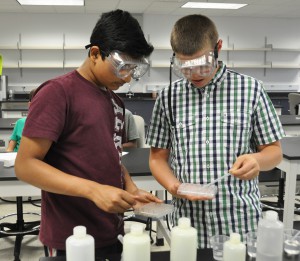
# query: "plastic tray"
{"points": [[197, 190], [154, 210]]}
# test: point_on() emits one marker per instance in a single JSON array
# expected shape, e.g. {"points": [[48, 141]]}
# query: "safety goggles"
{"points": [[124, 65], [202, 66]]}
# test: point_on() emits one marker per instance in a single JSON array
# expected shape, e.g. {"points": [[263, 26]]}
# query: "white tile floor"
{"points": [[32, 249]]}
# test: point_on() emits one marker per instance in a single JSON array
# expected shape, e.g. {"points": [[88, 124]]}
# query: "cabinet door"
{"points": [[14, 114]]}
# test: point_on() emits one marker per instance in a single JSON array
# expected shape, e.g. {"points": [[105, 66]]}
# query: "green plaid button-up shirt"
{"points": [[211, 127]]}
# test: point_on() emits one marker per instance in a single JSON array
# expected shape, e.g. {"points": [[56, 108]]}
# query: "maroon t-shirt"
{"points": [[85, 124]]}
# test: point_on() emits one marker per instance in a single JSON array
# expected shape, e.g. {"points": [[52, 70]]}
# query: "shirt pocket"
{"points": [[183, 132], [237, 130]]}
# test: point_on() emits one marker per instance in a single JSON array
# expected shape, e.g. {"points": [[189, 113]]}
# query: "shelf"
{"points": [[285, 66], [160, 64], [38, 47], [281, 87], [41, 65], [75, 47], [10, 65], [258, 66], [153, 65], [72, 65], [168, 48], [247, 49], [286, 49], [10, 47], [224, 49]]}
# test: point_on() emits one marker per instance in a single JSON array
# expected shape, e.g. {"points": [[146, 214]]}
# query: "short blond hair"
{"points": [[193, 33]]}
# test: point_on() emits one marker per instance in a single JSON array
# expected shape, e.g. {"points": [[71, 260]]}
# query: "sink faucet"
{"points": [[129, 94]]}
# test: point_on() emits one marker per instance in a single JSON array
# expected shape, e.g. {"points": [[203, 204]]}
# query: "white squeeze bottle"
{"points": [[184, 241], [136, 244], [234, 249], [269, 238], [80, 246]]}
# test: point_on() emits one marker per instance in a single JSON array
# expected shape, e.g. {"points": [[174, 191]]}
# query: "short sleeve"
{"points": [[47, 112], [267, 125], [131, 130], [158, 133]]}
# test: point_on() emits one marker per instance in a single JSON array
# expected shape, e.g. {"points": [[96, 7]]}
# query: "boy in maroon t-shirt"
{"points": [[72, 140]]}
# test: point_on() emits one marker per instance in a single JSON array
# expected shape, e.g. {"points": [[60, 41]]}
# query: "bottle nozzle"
{"points": [[235, 238]]}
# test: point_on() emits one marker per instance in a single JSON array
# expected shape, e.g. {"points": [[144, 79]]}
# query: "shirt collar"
{"points": [[220, 74]]}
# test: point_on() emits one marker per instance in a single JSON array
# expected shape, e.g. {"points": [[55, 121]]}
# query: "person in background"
{"points": [[15, 138], [72, 140], [132, 133], [210, 122]]}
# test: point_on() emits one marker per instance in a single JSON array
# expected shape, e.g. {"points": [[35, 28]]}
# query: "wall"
{"points": [[243, 33], [49, 29]]}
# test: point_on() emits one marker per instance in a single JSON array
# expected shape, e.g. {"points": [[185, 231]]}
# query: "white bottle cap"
{"points": [[79, 231], [235, 238], [184, 222], [271, 215], [137, 229]]}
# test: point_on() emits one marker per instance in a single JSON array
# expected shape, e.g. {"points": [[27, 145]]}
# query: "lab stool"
{"points": [[20, 228], [277, 177]]}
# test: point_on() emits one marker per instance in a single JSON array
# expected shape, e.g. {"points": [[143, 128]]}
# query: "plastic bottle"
{"points": [[80, 246], [136, 244], [269, 238], [10, 94], [234, 249], [184, 241], [154, 92]]}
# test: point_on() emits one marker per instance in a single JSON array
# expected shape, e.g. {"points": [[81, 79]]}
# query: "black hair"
{"points": [[31, 94], [119, 30]]}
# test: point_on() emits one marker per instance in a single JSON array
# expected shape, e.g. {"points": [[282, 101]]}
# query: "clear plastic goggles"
{"points": [[202, 66], [124, 65]]}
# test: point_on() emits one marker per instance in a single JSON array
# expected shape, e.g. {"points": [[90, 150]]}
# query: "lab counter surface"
{"points": [[203, 255], [6, 128], [136, 162], [291, 124]]}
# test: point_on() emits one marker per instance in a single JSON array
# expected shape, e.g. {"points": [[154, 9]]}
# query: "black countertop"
{"points": [[203, 255], [14, 105], [136, 96], [290, 148], [7, 123], [14, 100], [289, 119], [136, 162]]}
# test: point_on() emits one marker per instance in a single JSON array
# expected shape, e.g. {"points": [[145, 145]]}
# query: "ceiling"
{"points": [[255, 8]]}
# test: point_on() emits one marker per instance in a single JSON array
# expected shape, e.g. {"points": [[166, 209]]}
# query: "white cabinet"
{"points": [[14, 114], [20, 56], [266, 57], [60, 55], [42, 57], [10, 109]]}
